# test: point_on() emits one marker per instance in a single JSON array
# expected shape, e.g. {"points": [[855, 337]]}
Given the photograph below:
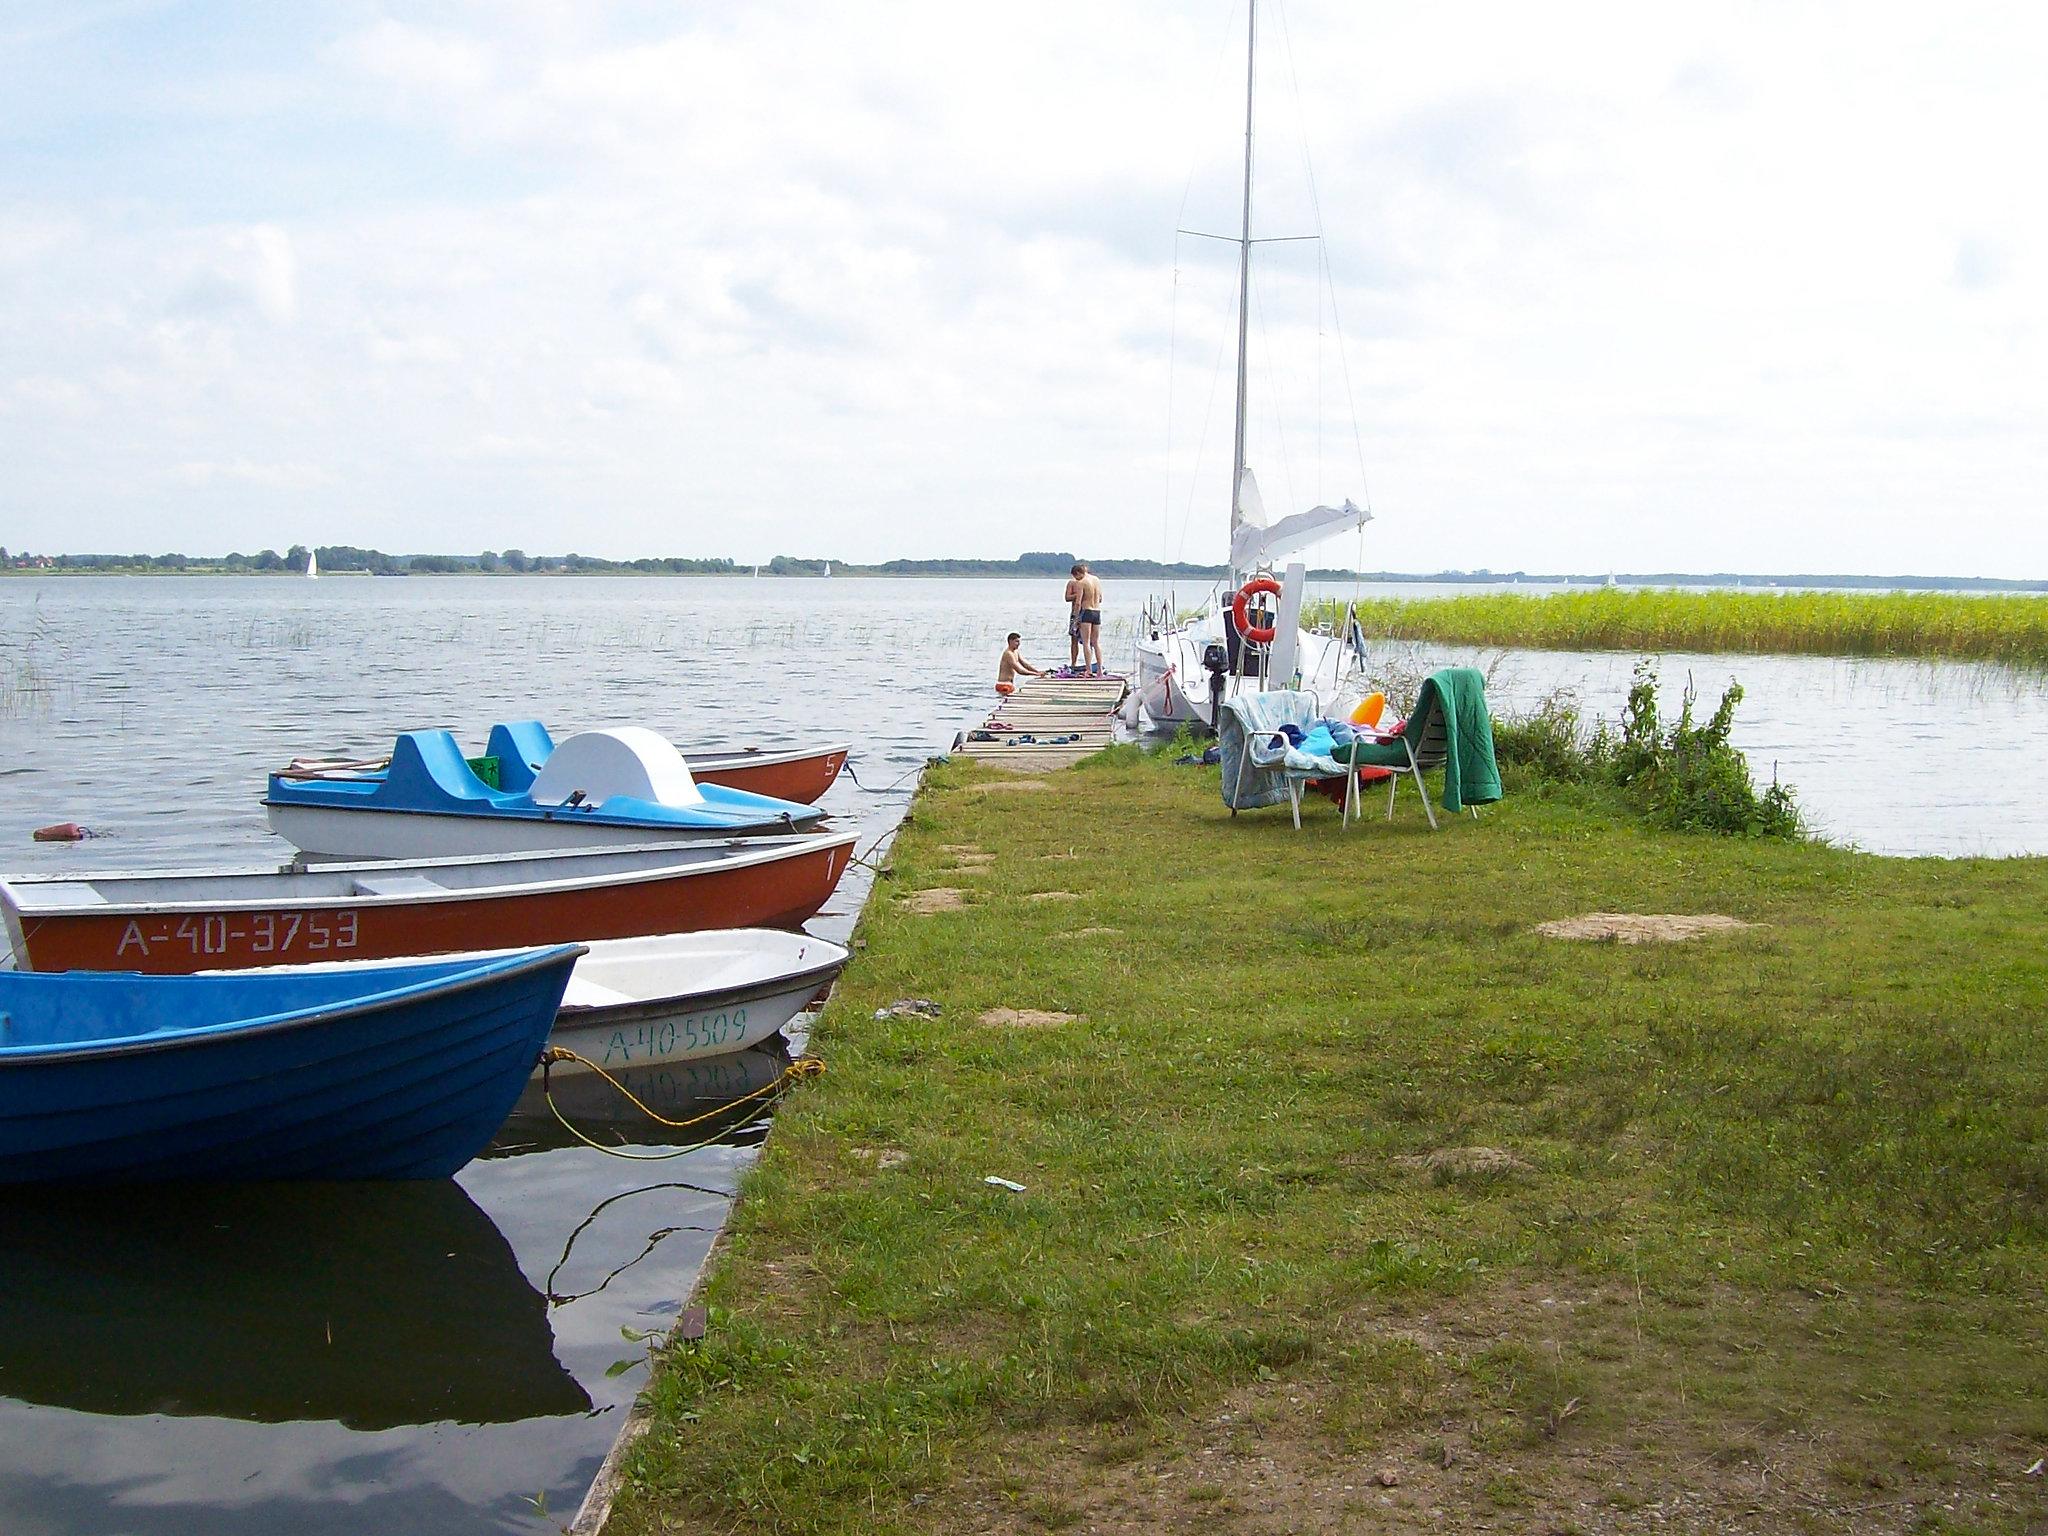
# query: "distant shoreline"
{"points": [[1119, 570]]}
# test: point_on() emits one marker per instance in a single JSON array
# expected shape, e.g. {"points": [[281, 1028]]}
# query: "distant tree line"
{"points": [[1045, 563]]}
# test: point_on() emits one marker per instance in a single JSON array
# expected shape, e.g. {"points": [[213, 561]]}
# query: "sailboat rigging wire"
{"points": [[1273, 395], [1172, 357], [1180, 214], [1315, 203], [1201, 443]]}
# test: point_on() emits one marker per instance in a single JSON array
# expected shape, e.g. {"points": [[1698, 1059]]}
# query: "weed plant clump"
{"points": [[2012, 630], [1689, 778]]}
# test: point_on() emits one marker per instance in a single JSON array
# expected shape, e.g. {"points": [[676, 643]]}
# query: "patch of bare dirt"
{"points": [[1094, 933], [1027, 1018], [1522, 1408], [1053, 896], [1464, 1160], [883, 1158], [937, 898], [1641, 927], [996, 786]]}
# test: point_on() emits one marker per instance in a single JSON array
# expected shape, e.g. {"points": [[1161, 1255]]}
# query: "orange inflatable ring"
{"points": [[1258, 634], [1370, 709]]}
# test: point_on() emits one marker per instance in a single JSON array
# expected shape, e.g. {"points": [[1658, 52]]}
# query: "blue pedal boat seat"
{"points": [[520, 746], [348, 1072]]}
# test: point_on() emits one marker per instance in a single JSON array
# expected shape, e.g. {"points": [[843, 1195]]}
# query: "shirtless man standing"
{"points": [[1084, 599], [1072, 597]]}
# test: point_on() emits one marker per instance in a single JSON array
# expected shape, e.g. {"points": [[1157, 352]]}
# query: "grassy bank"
{"points": [[1353, 1203], [2012, 630]]}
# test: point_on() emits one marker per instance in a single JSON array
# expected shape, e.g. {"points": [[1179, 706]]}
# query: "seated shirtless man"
{"points": [[1012, 663], [1084, 595]]}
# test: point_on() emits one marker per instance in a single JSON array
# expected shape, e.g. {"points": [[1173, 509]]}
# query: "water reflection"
{"points": [[369, 1304], [721, 1098]]}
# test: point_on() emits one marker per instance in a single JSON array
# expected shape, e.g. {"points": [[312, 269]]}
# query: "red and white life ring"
{"points": [[1261, 634]]}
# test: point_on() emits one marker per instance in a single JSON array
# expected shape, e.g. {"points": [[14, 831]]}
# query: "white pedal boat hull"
{"points": [[322, 835]]}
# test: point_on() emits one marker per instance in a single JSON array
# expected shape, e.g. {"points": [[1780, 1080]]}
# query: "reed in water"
{"points": [[2012, 630]]}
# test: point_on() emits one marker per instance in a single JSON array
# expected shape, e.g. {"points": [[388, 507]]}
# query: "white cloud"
{"points": [[1623, 287], [217, 272], [243, 472]]}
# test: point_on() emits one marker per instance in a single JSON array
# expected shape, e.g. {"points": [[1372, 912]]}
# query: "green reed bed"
{"points": [[2012, 630]]}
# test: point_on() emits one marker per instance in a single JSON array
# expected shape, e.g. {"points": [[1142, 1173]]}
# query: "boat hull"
{"points": [[673, 1022], [801, 775], [407, 1085], [1173, 685], [191, 929], [321, 832]]}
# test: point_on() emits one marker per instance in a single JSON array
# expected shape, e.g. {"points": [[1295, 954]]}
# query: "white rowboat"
{"points": [[686, 996]]}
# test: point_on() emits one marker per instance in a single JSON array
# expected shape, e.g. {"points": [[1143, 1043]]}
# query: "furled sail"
{"points": [[1250, 510], [1253, 544]]}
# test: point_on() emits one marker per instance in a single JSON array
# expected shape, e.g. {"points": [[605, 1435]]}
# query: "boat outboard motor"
{"points": [[1216, 661]]}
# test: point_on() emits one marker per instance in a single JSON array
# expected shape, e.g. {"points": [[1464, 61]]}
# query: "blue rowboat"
{"points": [[609, 788], [373, 1073]]}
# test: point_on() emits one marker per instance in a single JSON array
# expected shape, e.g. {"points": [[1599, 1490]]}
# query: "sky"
{"points": [[1599, 287]]}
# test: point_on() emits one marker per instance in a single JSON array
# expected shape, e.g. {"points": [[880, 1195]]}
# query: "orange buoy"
{"points": [[60, 832]]}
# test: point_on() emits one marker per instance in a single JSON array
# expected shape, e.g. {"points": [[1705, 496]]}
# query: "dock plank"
{"points": [[1080, 707]]}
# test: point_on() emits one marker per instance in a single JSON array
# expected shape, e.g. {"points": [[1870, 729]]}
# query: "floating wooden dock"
{"points": [[1044, 708]]}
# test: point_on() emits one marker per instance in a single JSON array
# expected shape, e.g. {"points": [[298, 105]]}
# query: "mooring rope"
{"points": [[797, 1071], [886, 789]]}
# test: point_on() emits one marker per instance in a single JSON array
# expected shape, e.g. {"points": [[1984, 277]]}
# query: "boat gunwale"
{"points": [[589, 1015], [463, 980], [720, 758], [595, 817], [747, 857], [717, 757]]}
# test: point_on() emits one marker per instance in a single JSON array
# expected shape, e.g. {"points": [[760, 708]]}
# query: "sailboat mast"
{"points": [[1244, 268]]}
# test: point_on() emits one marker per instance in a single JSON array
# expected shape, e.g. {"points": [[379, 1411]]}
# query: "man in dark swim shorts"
{"points": [[1084, 631]]}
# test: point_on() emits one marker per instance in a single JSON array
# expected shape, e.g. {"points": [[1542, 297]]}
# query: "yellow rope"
{"points": [[803, 1067]]}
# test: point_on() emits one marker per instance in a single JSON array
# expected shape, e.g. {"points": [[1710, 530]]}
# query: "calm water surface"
{"points": [[433, 1359]]}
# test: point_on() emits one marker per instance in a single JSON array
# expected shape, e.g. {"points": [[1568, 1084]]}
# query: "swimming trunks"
{"points": [[1089, 616]]}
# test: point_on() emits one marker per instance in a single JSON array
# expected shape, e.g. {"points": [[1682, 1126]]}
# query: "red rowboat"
{"points": [[788, 773], [178, 922]]}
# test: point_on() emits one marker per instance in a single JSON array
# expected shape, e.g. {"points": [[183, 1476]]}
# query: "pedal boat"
{"points": [[626, 786]]}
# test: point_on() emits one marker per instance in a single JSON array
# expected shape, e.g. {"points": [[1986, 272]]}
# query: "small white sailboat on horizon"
{"points": [[1177, 664], [312, 565]]}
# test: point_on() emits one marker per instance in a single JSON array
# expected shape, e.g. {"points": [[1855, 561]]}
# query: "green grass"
{"points": [[1771, 1238], [2012, 630]]}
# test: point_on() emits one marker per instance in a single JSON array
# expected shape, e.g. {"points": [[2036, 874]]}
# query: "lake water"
{"points": [[429, 1360]]}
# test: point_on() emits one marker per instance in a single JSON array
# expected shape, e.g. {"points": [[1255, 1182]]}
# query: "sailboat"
{"points": [[1185, 666], [312, 566]]}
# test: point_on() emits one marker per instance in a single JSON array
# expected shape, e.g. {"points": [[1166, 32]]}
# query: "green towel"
{"points": [[1470, 774]]}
